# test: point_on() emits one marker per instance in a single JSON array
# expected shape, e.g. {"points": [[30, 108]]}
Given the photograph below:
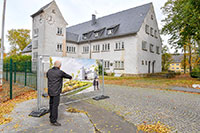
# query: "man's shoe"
{"points": [[56, 124]]}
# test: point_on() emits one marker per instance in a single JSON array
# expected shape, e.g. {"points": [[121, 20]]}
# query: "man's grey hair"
{"points": [[57, 64]]}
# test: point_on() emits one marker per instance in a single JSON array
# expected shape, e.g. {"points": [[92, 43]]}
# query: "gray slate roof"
{"points": [[41, 10], [129, 22], [177, 58], [27, 49]]}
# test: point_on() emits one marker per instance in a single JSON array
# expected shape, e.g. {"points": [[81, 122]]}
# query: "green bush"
{"points": [[20, 60], [17, 58], [195, 73]]}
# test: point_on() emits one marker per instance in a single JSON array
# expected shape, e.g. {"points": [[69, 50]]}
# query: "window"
{"points": [[71, 49], [157, 50], [59, 47], [107, 64], [122, 45], [106, 47], [59, 31], [35, 55], [151, 31], [144, 45], [35, 44], [155, 34], [147, 29], [177, 64], [172, 64], [151, 17], [84, 37], [35, 32], [119, 46], [96, 34], [172, 67], [53, 11], [145, 62], [86, 49], [151, 48], [96, 48], [119, 64], [177, 68], [109, 32], [142, 62]]}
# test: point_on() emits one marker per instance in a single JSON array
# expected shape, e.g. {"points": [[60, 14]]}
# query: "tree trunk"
{"points": [[184, 59], [190, 58]]}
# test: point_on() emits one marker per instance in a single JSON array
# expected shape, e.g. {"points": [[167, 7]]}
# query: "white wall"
{"points": [[128, 55], [147, 55]]}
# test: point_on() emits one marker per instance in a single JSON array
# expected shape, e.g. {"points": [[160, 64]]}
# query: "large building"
{"points": [[128, 41], [176, 63]]}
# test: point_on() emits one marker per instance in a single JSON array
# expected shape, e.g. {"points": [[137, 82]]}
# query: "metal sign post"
{"points": [[40, 85], [102, 96]]}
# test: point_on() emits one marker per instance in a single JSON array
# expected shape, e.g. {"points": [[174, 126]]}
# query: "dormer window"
{"points": [[99, 32], [111, 30], [84, 37], [96, 34], [87, 35]]}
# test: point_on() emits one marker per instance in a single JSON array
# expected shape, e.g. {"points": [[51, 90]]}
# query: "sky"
{"points": [[74, 11]]}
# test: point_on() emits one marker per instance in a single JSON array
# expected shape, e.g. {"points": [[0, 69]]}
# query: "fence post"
{"points": [[30, 68], [15, 72], [11, 73], [25, 73], [6, 71]]}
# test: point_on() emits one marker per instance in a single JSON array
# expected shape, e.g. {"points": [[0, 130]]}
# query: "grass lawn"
{"points": [[152, 82]]}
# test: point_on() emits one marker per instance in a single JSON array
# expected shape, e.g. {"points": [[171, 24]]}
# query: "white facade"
{"points": [[128, 57]]}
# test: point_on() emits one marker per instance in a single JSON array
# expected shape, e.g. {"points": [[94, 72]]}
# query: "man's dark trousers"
{"points": [[54, 103]]}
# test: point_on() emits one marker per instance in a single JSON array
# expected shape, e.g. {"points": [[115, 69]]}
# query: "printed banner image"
{"points": [[84, 74]]}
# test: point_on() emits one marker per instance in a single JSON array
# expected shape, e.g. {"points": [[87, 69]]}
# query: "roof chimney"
{"points": [[93, 19]]}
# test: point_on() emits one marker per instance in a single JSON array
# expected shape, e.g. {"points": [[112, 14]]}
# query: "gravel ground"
{"points": [[178, 110]]}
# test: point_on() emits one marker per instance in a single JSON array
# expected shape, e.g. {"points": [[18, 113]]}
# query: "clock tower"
{"points": [[48, 32]]}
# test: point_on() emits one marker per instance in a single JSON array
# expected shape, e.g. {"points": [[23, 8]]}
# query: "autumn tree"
{"points": [[166, 58], [182, 23], [18, 39]]}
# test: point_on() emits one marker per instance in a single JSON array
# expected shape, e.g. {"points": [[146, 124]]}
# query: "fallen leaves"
{"points": [[151, 82], [74, 110], [8, 106], [152, 128]]}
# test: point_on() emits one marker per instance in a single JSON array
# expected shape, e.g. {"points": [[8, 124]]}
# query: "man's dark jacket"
{"points": [[55, 81]]}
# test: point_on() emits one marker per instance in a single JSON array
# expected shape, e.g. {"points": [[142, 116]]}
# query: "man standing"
{"points": [[55, 82]]}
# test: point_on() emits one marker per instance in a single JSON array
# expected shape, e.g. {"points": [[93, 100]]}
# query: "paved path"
{"points": [[105, 121], [179, 110], [190, 90], [97, 118], [71, 122]]}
